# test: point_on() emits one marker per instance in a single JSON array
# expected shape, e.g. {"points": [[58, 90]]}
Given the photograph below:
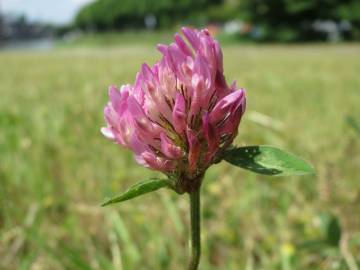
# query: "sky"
{"points": [[53, 11]]}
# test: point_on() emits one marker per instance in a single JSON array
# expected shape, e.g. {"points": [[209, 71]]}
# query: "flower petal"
{"points": [[194, 149], [168, 148], [179, 114]]}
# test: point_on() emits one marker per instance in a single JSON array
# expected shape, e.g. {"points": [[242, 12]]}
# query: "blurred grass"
{"points": [[56, 168]]}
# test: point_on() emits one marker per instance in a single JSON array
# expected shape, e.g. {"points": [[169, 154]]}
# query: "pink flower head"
{"points": [[180, 114]]}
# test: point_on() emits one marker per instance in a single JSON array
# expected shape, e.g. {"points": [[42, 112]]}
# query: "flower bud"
{"points": [[180, 114]]}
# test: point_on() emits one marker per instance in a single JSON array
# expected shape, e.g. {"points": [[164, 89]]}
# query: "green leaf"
{"points": [[267, 160], [331, 228], [139, 189]]}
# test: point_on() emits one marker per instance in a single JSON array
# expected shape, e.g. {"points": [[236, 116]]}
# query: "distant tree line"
{"points": [[122, 14], [275, 20], [303, 19]]}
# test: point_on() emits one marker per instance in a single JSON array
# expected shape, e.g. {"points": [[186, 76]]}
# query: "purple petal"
{"points": [[179, 114], [194, 149], [107, 132], [219, 56], [169, 148], [191, 36], [211, 137], [182, 45], [225, 106], [156, 163]]}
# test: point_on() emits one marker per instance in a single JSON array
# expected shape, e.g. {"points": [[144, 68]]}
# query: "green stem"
{"points": [[195, 229]]}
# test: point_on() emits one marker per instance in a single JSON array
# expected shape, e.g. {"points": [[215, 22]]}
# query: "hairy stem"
{"points": [[195, 229]]}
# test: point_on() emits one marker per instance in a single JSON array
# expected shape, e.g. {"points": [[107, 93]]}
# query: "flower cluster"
{"points": [[180, 114]]}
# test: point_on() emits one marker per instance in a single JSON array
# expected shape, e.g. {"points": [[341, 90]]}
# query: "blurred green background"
{"points": [[56, 168], [259, 20]]}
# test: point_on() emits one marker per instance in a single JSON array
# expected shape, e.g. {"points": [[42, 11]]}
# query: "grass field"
{"points": [[56, 168]]}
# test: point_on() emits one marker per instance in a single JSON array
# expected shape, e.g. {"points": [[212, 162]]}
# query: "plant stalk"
{"points": [[195, 228]]}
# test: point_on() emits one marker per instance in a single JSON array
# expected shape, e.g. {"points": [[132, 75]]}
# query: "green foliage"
{"points": [[330, 228], [291, 20], [267, 160], [138, 190], [276, 20], [114, 14]]}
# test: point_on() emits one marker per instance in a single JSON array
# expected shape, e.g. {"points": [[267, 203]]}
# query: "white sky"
{"points": [[54, 11]]}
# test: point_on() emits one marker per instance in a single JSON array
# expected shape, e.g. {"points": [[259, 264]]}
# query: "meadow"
{"points": [[56, 168]]}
